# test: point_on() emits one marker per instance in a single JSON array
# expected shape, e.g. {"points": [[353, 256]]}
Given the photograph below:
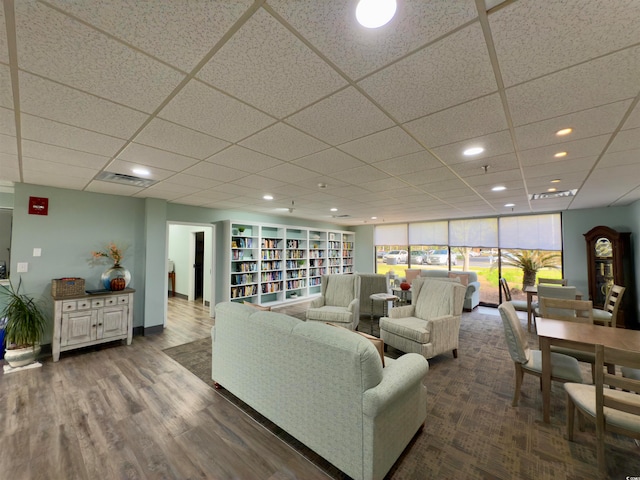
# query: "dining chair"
{"points": [[568, 309], [553, 281], [563, 367], [519, 305], [615, 409], [608, 315]]}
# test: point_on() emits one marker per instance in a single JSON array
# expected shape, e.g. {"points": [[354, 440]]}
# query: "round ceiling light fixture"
{"points": [[268, 197], [564, 131], [560, 154], [375, 13], [509, 205], [473, 151], [334, 209], [498, 188]]}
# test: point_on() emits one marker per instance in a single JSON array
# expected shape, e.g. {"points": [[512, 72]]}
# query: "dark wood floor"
{"points": [[132, 412]]}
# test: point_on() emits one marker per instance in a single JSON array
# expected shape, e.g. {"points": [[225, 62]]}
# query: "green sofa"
{"points": [[325, 386]]}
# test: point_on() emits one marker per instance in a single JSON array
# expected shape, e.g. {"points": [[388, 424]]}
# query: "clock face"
{"points": [[603, 248]]}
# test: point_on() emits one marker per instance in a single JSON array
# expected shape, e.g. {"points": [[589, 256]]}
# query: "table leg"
{"points": [[545, 347], [371, 317]]}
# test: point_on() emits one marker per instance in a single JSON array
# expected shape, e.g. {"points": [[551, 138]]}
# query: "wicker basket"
{"points": [[67, 287]]}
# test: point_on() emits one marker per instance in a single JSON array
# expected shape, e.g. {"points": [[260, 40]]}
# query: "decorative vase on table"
{"points": [[116, 278]]}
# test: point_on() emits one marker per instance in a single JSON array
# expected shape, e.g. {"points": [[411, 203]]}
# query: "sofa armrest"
{"points": [[402, 312], [444, 330], [317, 302], [473, 287], [355, 303], [398, 377]]}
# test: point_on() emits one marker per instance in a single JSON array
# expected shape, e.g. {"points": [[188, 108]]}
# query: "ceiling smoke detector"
{"points": [[545, 195], [123, 179]]}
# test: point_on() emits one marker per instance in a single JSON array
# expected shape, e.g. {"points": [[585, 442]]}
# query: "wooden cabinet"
{"points": [[91, 319], [272, 264], [609, 262]]}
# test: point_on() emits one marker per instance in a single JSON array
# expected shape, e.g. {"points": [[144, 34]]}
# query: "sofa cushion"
{"points": [[330, 314], [412, 328], [463, 277], [377, 342]]}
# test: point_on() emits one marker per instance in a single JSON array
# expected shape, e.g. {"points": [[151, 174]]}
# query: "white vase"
{"points": [[19, 357]]}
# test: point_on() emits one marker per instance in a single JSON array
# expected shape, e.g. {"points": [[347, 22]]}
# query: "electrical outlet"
{"points": [[23, 267], [37, 252]]}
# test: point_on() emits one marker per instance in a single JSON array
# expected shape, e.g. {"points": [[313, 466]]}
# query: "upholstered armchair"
{"points": [[431, 324], [339, 301], [371, 283]]}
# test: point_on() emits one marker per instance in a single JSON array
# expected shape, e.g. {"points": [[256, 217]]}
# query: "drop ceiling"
{"points": [[226, 101]]}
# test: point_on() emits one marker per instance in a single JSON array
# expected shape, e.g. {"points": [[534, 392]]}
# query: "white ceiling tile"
{"points": [[614, 159], [63, 155], [7, 121], [54, 133], [296, 76], [34, 166], [605, 80], [180, 32], [9, 167], [534, 38], [328, 161], [166, 189], [605, 187], [626, 140], [57, 102], [4, 54], [495, 165], [283, 142], [435, 188], [193, 181], [494, 145], [176, 138], [413, 162], [214, 172], [455, 70], [237, 190], [342, 117], [492, 179], [138, 155], [88, 60], [244, 159], [472, 119], [362, 175], [8, 144], [261, 183], [50, 179], [205, 109], [289, 173], [393, 142], [634, 119], [331, 26], [6, 93], [384, 184], [429, 176], [161, 193], [110, 188], [559, 168], [126, 168], [586, 123], [587, 147]]}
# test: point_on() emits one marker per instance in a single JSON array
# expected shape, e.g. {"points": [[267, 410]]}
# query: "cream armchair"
{"points": [[431, 324], [339, 301]]}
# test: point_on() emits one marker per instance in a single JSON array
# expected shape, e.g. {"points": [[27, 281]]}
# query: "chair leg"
{"points": [[519, 376], [570, 417], [455, 353]]}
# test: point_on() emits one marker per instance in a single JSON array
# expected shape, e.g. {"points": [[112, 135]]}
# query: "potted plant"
{"points": [[530, 261], [24, 328]]}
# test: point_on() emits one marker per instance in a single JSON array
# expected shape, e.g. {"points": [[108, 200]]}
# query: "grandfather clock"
{"points": [[609, 262]]}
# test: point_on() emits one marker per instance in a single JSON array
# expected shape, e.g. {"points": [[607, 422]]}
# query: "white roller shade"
{"points": [[429, 233], [473, 232], [531, 232], [391, 234]]}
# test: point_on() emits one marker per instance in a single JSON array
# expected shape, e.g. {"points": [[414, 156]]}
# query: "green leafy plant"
{"points": [[25, 320], [530, 262]]}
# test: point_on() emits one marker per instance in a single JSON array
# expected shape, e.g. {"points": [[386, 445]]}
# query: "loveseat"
{"points": [[472, 296], [325, 386]]}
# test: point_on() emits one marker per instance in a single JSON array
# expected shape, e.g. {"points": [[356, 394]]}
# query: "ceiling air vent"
{"points": [[123, 179], [545, 195], [341, 216]]}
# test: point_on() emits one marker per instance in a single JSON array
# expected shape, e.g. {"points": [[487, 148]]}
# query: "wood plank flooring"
{"points": [[131, 412]]}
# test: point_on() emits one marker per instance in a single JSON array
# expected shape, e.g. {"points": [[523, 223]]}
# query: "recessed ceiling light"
{"points": [[334, 209], [498, 188], [473, 151], [375, 13], [560, 154], [141, 171], [564, 131], [268, 197], [509, 204], [552, 189], [374, 218], [556, 180], [322, 185]]}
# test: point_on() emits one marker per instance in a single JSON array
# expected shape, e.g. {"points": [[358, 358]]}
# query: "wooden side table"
{"points": [[385, 298], [172, 279]]}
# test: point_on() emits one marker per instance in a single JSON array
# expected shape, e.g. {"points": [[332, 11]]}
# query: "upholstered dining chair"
{"points": [[339, 301], [563, 367], [568, 309], [616, 409], [607, 316], [519, 305], [554, 291], [553, 281]]}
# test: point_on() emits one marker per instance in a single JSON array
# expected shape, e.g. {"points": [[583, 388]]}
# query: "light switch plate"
{"points": [[37, 252], [22, 267]]}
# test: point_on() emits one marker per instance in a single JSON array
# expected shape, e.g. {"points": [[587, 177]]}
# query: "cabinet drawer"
{"points": [[123, 299], [69, 306], [108, 301], [83, 304], [97, 303]]}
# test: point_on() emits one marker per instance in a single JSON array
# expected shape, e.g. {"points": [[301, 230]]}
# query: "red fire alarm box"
{"points": [[38, 206]]}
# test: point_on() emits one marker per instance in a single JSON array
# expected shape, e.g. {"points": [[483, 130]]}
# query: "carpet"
{"points": [[471, 429]]}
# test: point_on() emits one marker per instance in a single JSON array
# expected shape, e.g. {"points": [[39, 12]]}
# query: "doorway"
{"points": [[198, 267]]}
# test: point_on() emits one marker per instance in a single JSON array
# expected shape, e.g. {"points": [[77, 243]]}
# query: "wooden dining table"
{"points": [[578, 336], [532, 290]]}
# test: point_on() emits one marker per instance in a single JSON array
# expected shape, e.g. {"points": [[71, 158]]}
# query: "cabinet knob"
{"points": [[99, 324]]}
